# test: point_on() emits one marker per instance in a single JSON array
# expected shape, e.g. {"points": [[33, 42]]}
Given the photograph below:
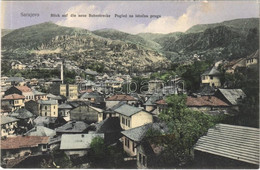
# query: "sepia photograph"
{"points": [[130, 84]]}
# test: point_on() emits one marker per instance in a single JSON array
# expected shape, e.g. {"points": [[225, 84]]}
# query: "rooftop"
{"points": [[128, 110], [232, 95], [23, 142], [79, 141], [205, 101], [235, 142], [21, 113], [48, 102], [72, 127], [40, 131], [7, 119], [138, 133], [121, 97], [24, 88], [211, 72], [13, 97]]}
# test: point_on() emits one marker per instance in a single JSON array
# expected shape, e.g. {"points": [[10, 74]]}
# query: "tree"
{"points": [[103, 156], [186, 125]]}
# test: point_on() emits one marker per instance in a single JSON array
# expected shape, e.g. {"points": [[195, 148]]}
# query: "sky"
{"points": [[174, 15]]}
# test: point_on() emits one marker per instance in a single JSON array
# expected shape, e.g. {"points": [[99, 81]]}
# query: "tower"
{"points": [[61, 72]]}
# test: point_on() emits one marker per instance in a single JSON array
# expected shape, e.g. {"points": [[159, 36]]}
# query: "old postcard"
{"points": [[130, 84]]}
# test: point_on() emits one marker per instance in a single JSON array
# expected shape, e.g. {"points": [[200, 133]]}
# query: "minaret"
{"points": [[61, 72]]}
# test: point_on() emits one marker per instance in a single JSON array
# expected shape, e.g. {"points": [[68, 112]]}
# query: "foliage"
{"points": [[102, 156], [186, 125]]}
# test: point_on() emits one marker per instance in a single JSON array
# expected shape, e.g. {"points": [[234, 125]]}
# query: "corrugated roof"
{"points": [[7, 119], [235, 142], [211, 72], [23, 142], [128, 110], [205, 101], [138, 133], [232, 95], [77, 141]]}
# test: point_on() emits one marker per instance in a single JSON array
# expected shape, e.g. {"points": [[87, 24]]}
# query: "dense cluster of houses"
{"points": [[69, 116]]}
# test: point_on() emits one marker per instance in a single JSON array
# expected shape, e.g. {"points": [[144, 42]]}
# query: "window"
{"points": [[211, 77], [140, 158], [133, 146], [45, 107], [45, 113], [123, 120], [53, 107], [127, 142], [128, 123], [144, 160]]}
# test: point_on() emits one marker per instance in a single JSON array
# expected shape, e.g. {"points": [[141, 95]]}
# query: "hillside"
{"points": [[5, 31], [81, 46], [241, 25]]}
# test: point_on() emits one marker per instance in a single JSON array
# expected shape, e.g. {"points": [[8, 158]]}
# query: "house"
{"points": [[206, 103], [39, 95], [87, 113], [148, 154], [252, 59], [15, 100], [33, 107], [81, 143], [150, 104], [40, 131], [61, 99], [231, 96], [133, 137], [72, 127], [14, 81], [45, 121], [111, 129], [21, 146], [161, 105], [25, 118], [8, 126], [92, 97], [18, 66], [131, 117], [48, 108], [232, 65], [64, 110], [211, 77], [21, 90], [115, 99], [228, 146], [68, 90]]}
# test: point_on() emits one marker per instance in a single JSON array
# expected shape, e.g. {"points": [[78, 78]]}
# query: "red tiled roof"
{"points": [[161, 102], [205, 101], [88, 91], [121, 97], [23, 142], [13, 96], [24, 88]]}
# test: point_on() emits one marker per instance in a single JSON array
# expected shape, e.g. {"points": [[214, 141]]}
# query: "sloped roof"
{"points": [[17, 79], [24, 88], [111, 124], [41, 131], [42, 120], [65, 106], [161, 102], [155, 97], [7, 119], [234, 62], [23, 142], [47, 101], [96, 109], [113, 108], [72, 127], [35, 92], [204, 101], [128, 110], [253, 55], [121, 97], [77, 141], [232, 95], [211, 72], [138, 133], [235, 142], [21, 113], [13, 97], [93, 94]]}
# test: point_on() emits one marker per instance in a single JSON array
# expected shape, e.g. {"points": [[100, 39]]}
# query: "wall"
{"points": [[207, 80], [84, 113], [141, 118], [129, 150]]}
